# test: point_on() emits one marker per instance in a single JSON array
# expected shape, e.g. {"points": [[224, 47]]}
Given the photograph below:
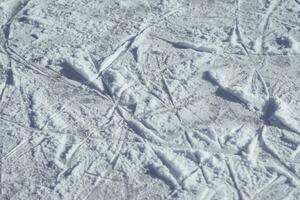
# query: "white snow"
{"points": [[149, 99], [286, 115]]}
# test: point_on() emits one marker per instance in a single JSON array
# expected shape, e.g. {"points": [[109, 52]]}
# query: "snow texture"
{"points": [[149, 99]]}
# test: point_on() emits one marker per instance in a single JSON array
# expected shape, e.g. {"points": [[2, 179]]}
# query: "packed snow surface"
{"points": [[150, 99]]}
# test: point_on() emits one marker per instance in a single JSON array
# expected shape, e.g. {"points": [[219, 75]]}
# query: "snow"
{"points": [[286, 115], [149, 99]]}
